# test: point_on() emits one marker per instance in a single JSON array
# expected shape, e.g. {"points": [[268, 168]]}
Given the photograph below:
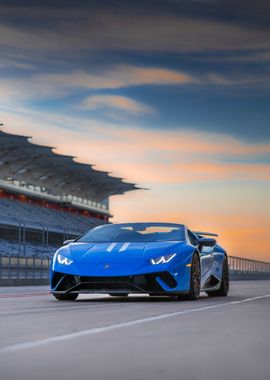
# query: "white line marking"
{"points": [[124, 247], [98, 330], [19, 295], [111, 247]]}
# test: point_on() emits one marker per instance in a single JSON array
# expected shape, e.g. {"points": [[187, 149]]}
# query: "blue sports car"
{"points": [[154, 258]]}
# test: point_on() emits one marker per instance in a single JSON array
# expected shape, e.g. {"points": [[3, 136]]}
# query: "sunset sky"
{"points": [[172, 95]]}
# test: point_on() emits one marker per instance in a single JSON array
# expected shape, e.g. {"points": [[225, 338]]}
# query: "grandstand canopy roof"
{"points": [[38, 165]]}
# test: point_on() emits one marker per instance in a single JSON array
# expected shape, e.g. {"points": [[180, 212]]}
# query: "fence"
{"points": [[239, 264], [15, 269]]}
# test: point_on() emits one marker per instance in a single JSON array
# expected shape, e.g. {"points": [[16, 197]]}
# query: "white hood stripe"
{"points": [[124, 247], [111, 247]]}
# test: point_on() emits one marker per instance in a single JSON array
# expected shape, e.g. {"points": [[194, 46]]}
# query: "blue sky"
{"points": [[223, 48]]}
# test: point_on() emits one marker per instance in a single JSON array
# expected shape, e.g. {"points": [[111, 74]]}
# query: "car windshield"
{"points": [[134, 232]]}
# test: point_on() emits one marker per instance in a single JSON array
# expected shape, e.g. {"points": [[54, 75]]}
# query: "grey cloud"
{"points": [[125, 30]]}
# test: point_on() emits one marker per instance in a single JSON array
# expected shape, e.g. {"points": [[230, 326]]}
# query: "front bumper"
{"points": [[154, 283]]}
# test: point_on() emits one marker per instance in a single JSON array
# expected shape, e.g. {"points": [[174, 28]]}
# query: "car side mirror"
{"points": [[66, 242], [207, 242]]}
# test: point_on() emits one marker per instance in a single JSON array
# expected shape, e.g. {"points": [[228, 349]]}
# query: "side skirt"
{"points": [[212, 283]]}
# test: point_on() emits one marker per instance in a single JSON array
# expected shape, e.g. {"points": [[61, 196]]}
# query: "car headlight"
{"points": [[63, 260], [163, 259]]}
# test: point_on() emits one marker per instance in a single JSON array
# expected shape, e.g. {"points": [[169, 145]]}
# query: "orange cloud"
{"points": [[122, 103], [190, 142], [172, 157], [115, 77]]}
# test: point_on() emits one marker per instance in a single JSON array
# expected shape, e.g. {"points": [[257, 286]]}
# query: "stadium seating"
{"points": [[47, 217], [20, 221], [15, 249]]}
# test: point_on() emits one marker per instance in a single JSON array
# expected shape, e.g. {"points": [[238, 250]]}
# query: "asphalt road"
{"points": [[135, 338]]}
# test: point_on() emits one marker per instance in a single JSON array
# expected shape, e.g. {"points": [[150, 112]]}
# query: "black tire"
{"points": [[195, 280], [225, 282], [118, 294], [66, 297]]}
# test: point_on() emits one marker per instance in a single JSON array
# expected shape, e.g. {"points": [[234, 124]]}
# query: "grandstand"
{"points": [[46, 198]]}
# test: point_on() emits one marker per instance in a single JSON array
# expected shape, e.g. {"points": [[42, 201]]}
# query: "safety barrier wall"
{"points": [[16, 269], [239, 264]]}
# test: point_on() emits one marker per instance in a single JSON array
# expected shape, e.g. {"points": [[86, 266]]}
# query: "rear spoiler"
{"points": [[204, 233]]}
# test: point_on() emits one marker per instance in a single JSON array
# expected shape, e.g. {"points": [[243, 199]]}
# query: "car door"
{"points": [[206, 257]]}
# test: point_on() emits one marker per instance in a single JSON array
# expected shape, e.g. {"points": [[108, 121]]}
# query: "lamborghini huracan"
{"points": [[159, 259]]}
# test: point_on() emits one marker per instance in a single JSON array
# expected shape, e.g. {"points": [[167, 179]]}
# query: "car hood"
{"points": [[89, 253]]}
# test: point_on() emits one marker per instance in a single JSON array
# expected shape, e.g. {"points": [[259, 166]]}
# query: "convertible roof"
{"points": [[38, 165]]}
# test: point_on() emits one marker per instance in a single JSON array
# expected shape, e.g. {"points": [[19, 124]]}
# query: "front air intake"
{"points": [[146, 283]]}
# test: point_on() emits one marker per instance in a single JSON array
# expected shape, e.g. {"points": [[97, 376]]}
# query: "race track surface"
{"points": [[135, 338]]}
